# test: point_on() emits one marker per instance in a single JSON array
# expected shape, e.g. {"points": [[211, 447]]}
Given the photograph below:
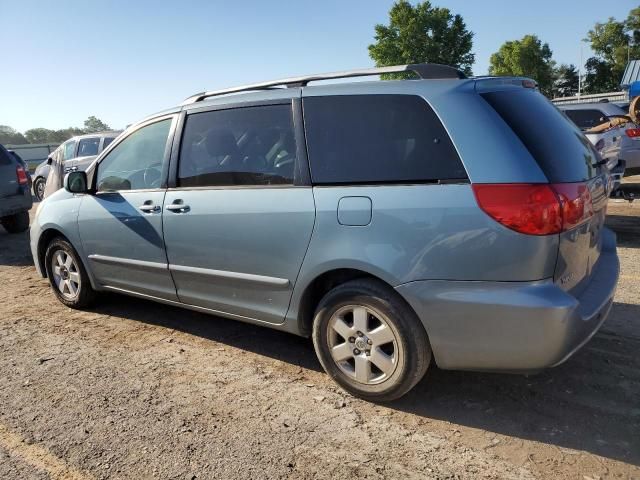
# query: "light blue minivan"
{"points": [[391, 221]]}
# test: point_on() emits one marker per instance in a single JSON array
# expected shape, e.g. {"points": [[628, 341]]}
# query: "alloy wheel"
{"points": [[363, 344]]}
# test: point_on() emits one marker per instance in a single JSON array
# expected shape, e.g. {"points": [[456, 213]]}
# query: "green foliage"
{"points": [[422, 34], [528, 57], [9, 136], [93, 125], [44, 135], [614, 43], [565, 82]]}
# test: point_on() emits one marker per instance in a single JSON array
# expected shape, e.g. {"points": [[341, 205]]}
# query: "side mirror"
{"points": [[49, 160], [76, 182]]}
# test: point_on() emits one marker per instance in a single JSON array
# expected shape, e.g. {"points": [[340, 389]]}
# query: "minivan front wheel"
{"points": [[369, 341], [67, 275]]}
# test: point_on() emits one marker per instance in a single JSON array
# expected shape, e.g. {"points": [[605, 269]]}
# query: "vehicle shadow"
{"points": [[15, 249], [590, 403], [627, 228], [257, 339]]}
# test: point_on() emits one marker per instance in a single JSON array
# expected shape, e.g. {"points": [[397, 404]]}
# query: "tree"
{"points": [[93, 125], [528, 57], [39, 135], [566, 81], [422, 33], [633, 25], [9, 136], [613, 43]]}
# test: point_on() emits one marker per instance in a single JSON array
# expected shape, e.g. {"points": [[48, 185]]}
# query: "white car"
{"points": [[77, 153]]}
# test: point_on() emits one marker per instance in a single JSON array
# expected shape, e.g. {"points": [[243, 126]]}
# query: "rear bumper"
{"points": [[512, 326], [16, 203]]}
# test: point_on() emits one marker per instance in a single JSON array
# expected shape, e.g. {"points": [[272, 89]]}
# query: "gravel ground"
{"points": [[134, 389]]}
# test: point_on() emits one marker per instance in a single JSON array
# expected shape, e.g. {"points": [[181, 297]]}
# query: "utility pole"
{"points": [[580, 70]]}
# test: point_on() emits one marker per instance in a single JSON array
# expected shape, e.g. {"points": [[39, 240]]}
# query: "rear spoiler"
{"points": [[484, 84]]}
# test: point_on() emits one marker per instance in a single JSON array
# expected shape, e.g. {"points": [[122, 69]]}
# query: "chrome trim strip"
{"points": [[128, 261], [247, 277]]}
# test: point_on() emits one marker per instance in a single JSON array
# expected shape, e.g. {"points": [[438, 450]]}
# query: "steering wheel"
{"points": [[152, 176]]}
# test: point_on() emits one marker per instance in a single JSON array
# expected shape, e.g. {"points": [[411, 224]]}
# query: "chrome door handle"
{"points": [[149, 208], [178, 207]]}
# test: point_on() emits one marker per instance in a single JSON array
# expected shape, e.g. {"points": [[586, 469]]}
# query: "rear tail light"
{"points": [[536, 209], [22, 175], [632, 132]]}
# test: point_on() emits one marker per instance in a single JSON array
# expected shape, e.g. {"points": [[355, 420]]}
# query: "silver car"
{"points": [[77, 153], [618, 140], [396, 223]]}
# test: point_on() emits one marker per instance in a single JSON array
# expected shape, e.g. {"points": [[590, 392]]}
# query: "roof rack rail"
{"points": [[425, 71]]}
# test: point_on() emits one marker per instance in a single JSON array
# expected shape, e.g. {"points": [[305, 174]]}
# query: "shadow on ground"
{"points": [[589, 403], [15, 249], [627, 229]]}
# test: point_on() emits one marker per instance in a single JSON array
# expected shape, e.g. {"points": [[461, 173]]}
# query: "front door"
{"points": [[237, 227], [121, 224]]}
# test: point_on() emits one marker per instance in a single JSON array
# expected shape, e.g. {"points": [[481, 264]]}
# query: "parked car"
{"points": [[391, 221], [77, 153], [15, 195], [24, 164], [612, 131]]}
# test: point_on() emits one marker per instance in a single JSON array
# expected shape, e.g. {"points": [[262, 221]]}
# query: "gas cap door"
{"points": [[354, 211]]}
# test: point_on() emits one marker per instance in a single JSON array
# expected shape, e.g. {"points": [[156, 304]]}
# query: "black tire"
{"points": [[84, 295], [38, 188], [16, 223], [410, 349]]}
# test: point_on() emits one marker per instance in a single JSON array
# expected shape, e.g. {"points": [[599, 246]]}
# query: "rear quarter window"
{"points": [[355, 139], [563, 153]]}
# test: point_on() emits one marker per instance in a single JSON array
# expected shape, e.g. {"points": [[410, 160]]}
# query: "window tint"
{"points": [[242, 146], [69, 150], [563, 153], [377, 138], [136, 162], [106, 142], [586, 119], [88, 146]]}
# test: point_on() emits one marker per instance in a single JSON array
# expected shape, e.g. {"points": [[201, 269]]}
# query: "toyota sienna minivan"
{"points": [[395, 223]]}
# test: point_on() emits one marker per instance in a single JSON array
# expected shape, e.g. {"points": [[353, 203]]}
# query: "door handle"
{"points": [[178, 206], [149, 208]]}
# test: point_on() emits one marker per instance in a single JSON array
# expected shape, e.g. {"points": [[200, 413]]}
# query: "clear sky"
{"points": [[121, 60]]}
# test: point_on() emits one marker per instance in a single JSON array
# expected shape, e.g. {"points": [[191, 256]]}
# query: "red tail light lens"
{"points": [[536, 209], [577, 206], [533, 209], [632, 132], [22, 175]]}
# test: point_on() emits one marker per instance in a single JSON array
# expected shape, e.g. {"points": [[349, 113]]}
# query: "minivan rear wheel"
{"points": [[370, 341], [67, 276]]}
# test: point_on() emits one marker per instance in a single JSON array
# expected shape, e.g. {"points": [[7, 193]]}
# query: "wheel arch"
{"points": [[322, 284], [46, 237]]}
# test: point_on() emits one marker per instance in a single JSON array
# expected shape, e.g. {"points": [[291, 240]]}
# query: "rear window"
{"points": [[563, 153], [377, 139], [586, 119]]}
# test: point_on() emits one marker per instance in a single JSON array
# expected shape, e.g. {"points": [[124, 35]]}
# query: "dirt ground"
{"points": [[139, 390]]}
